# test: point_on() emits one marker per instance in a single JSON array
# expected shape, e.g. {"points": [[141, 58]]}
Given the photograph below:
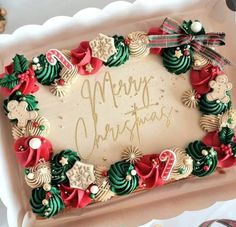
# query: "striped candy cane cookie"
{"points": [[169, 157], [54, 55]]}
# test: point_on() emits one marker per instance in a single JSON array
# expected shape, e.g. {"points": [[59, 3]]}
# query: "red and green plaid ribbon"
{"points": [[176, 36]]}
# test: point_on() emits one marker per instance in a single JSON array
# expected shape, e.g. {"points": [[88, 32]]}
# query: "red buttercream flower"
{"points": [[200, 78], [29, 150], [27, 81], [82, 58], [73, 197], [224, 152], [149, 169], [156, 31]]}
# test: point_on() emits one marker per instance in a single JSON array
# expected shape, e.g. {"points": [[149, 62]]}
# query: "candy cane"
{"points": [[54, 55], [169, 157]]}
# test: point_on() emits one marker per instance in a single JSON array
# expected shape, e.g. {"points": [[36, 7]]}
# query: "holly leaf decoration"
{"points": [[9, 81], [21, 64]]}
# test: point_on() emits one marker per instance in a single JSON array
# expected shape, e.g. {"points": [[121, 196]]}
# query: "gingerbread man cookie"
{"points": [[220, 86], [18, 110]]}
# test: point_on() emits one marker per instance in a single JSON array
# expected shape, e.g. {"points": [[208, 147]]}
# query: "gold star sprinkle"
{"points": [[89, 68], [63, 161], [178, 53]]}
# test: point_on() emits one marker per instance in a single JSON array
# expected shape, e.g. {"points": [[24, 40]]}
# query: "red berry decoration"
{"points": [[35, 124], [197, 96], [127, 41], [206, 168], [104, 173], [48, 195], [186, 53], [61, 82]]}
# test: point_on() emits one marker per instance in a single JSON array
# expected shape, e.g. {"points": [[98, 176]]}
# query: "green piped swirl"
{"points": [[122, 54], [226, 135], [204, 158], [174, 64], [212, 107], [30, 99], [120, 183], [58, 169], [47, 73], [46, 206]]}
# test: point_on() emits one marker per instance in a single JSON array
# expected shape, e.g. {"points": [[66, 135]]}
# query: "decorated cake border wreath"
{"points": [[63, 180]]}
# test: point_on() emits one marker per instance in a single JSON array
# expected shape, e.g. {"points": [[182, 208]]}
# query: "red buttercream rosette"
{"points": [[27, 81], [156, 31], [224, 153], [200, 78], [149, 170], [73, 197], [27, 156], [82, 58]]}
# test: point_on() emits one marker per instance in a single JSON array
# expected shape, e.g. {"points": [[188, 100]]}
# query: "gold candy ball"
{"points": [[45, 202], [47, 187], [128, 178], [204, 152]]}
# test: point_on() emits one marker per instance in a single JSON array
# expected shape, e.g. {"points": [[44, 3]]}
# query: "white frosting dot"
{"points": [[133, 172], [35, 143], [30, 176], [35, 60], [94, 189], [196, 26]]}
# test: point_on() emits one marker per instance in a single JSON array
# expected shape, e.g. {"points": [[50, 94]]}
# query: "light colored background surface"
{"points": [[39, 9], [42, 11]]}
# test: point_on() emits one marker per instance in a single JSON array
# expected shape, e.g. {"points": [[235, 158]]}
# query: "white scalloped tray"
{"points": [[66, 32]]}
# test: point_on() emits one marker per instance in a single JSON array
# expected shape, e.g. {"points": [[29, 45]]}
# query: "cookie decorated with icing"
{"points": [[18, 110], [220, 88]]}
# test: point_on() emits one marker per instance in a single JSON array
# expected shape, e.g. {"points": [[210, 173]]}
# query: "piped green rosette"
{"points": [[122, 54], [212, 107], [178, 59], [44, 71], [30, 99], [61, 163], [204, 158], [123, 178], [46, 203]]}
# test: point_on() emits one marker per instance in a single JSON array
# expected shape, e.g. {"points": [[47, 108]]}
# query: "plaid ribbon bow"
{"points": [[177, 36]]}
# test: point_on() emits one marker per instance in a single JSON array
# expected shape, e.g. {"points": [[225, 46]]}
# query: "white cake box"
{"points": [[66, 32]]}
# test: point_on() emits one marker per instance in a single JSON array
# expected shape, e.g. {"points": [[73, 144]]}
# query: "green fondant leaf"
{"points": [[21, 64], [9, 81]]}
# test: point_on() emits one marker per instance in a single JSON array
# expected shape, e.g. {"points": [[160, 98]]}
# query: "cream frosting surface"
{"points": [[138, 104]]}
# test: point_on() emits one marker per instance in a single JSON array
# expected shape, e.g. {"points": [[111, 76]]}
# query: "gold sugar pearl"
{"points": [[128, 177], [204, 152], [47, 187], [45, 202]]}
